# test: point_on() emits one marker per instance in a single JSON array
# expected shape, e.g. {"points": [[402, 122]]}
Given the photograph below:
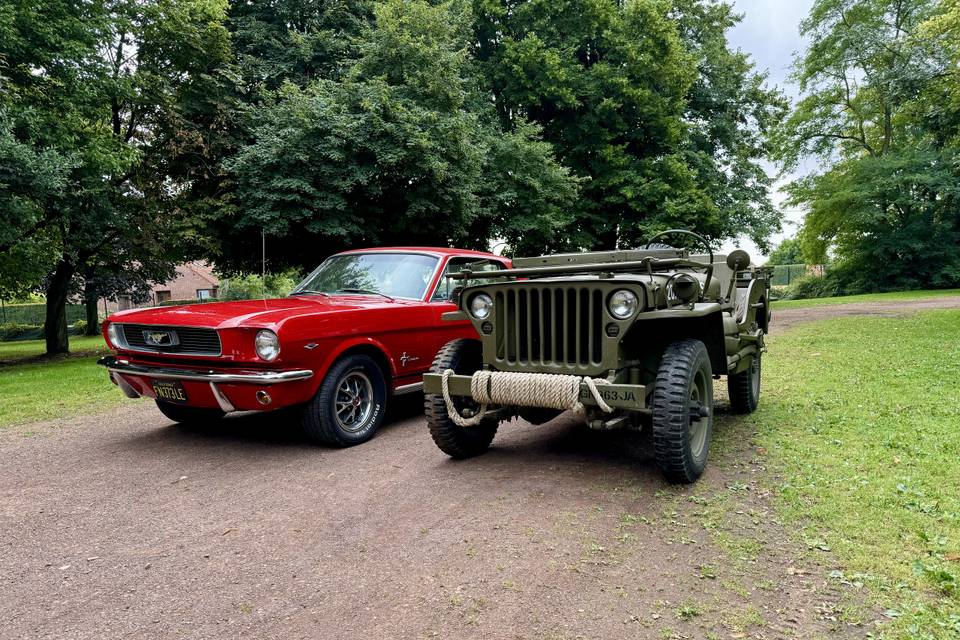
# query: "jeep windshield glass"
{"points": [[394, 275]]}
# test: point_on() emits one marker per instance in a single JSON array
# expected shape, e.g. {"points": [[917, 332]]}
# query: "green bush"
{"points": [[35, 313], [813, 286], [250, 286]]}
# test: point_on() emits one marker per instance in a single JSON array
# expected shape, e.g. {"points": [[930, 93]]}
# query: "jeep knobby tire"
{"points": [[464, 357], [744, 388], [682, 406]]}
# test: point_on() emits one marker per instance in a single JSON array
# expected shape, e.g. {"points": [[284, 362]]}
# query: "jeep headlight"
{"points": [[267, 345], [113, 335], [480, 306], [622, 304]]}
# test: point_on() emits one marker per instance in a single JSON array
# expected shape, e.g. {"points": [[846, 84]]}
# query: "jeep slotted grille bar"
{"points": [[549, 325]]}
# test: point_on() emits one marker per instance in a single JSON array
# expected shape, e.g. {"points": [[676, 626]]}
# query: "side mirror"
{"points": [[738, 260]]}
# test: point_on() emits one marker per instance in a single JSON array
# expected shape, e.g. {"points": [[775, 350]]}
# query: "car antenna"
{"points": [[263, 265]]}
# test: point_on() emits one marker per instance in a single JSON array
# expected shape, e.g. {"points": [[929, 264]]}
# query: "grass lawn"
{"points": [[861, 420], [45, 389], [867, 297], [22, 349]]}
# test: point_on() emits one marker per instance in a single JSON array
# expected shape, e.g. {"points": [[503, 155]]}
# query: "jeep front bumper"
{"points": [[632, 397]]}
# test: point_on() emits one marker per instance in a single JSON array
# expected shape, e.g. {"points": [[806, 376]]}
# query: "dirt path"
{"points": [[123, 525], [788, 318]]}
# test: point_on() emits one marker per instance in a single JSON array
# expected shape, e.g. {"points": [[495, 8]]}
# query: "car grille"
{"points": [[192, 340], [549, 326]]}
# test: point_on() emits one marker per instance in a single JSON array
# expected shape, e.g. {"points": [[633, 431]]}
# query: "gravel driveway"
{"points": [[124, 525]]}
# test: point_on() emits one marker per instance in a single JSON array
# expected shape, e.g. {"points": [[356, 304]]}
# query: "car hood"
{"points": [[260, 313]]}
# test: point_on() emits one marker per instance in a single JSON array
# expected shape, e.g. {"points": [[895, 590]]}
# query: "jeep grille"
{"points": [[549, 325]]}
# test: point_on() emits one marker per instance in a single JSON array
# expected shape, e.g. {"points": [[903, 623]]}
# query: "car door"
{"points": [[443, 331]]}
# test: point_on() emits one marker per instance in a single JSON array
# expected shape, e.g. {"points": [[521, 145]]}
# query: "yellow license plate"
{"points": [[169, 391]]}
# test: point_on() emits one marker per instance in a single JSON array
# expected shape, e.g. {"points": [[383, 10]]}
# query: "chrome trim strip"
{"points": [[408, 388], [117, 365], [225, 405]]}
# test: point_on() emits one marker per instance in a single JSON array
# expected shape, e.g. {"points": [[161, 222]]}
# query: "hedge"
{"points": [[35, 313]]}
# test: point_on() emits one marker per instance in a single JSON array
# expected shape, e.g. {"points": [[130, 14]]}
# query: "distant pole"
{"points": [[263, 265], [4, 308]]}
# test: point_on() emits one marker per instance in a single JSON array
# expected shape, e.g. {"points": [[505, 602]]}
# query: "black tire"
{"points": [[684, 383], [355, 386], [744, 388], [189, 415], [464, 357]]}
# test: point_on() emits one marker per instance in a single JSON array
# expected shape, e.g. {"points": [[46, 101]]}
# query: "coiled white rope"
{"points": [[507, 388]]}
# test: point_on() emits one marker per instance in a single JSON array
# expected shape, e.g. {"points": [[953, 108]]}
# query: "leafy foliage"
{"points": [[787, 252], [88, 90], [403, 149], [875, 76], [646, 102]]}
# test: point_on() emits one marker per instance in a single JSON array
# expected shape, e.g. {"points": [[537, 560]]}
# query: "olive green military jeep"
{"points": [[628, 339]]}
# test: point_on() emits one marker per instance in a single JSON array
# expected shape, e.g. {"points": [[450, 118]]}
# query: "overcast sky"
{"points": [[769, 32]]}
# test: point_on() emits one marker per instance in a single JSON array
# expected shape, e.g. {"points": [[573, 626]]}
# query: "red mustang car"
{"points": [[364, 325]]}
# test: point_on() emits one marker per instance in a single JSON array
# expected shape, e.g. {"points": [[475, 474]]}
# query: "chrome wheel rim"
{"points": [[353, 403], [699, 424]]}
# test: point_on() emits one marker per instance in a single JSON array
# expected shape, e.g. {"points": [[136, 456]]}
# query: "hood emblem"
{"points": [[156, 338]]}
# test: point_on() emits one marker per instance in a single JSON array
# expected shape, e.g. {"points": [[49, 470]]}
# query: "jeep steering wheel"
{"points": [[699, 238]]}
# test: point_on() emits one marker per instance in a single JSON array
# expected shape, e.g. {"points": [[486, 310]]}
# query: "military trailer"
{"points": [[628, 339]]}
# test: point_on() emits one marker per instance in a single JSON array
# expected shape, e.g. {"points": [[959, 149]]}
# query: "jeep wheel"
{"points": [[464, 357], [744, 388], [682, 421], [183, 414], [349, 406]]}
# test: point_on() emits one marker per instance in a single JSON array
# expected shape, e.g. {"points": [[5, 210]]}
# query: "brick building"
{"points": [[194, 281]]}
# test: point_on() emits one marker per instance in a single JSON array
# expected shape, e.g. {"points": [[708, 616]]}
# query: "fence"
{"points": [[784, 274]]}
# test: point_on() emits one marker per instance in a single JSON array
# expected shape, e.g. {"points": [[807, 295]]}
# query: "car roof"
{"points": [[436, 251]]}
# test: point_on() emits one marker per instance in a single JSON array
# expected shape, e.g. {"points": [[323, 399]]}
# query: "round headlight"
{"points": [[267, 345], [113, 334], [480, 306], [622, 304]]}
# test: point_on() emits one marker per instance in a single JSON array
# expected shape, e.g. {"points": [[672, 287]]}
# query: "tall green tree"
{"points": [[874, 80], [403, 148], [86, 88], [646, 102], [788, 251]]}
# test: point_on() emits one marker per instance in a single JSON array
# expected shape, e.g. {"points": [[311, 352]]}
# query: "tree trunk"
{"points": [[55, 326], [93, 317], [90, 302]]}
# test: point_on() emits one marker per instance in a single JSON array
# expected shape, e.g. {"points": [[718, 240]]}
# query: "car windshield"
{"points": [[394, 275]]}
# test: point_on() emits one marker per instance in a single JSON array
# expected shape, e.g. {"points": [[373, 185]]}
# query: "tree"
{"points": [[645, 101], [86, 87], [403, 148], [874, 78], [787, 252]]}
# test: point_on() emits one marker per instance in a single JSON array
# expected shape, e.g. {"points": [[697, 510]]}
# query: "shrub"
{"points": [[812, 286], [251, 286]]}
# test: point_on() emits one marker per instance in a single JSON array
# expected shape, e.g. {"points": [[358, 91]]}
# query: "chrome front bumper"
{"points": [[120, 366]]}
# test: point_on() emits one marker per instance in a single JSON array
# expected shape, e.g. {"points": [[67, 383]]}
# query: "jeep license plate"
{"points": [[169, 391]]}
